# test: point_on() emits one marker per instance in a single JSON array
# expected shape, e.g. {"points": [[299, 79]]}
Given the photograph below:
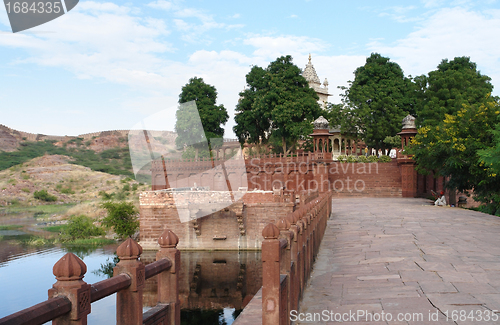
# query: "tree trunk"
{"points": [[283, 143]]}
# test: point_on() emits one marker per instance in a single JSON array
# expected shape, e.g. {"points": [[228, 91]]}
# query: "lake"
{"points": [[214, 286]]}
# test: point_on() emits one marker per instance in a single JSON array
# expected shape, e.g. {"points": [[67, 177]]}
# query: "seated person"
{"points": [[440, 201]]}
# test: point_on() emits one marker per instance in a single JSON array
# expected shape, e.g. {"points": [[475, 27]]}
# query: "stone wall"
{"points": [[293, 173], [237, 226]]}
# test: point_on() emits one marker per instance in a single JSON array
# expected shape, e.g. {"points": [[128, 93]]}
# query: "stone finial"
{"points": [[283, 224], [168, 239], [69, 268], [310, 73], [409, 122], [320, 123], [270, 231], [325, 83], [129, 250]]}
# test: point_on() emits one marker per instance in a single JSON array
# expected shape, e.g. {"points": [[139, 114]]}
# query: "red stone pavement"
{"points": [[407, 259]]}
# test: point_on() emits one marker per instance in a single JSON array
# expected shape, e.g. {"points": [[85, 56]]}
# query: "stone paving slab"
{"points": [[407, 258]]}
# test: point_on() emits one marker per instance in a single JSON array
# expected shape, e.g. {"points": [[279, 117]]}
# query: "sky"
{"points": [[109, 65]]}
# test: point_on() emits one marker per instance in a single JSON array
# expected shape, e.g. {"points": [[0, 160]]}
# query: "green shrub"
{"points": [[134, 187], [81, 227], [67, 190], [43, 195], [362, 159], [342, 158], [372, 158], [385, 159], [106, 196], [126, 188], [27, 190], [121, 217], [351, 159]]}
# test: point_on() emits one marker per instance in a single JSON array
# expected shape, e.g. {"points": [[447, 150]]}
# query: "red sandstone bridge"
{"points": [[380, 261]]}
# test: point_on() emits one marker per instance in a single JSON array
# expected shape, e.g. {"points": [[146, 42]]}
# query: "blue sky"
{"points": [[111, 64]]}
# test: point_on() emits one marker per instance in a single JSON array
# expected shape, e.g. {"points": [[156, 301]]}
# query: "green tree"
{"points": [[212, 116], [457, 117], [121, 217], [80, 227], [378, 99], [452, 149], [277, 103], [446, 89], [251, 126]]}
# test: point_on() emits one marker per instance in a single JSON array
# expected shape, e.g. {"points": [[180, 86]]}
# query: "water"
{"points": [[214, 286]]}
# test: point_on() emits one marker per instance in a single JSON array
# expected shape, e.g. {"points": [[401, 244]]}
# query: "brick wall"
{"points": [[294, 173], [236, 226]]}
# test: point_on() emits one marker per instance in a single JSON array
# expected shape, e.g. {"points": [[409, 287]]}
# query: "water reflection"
{"points": [[214, 286]]}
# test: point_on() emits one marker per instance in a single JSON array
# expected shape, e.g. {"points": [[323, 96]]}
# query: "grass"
{"points": [[90, 242], [40, 210], [57, 228], [10, 227]]}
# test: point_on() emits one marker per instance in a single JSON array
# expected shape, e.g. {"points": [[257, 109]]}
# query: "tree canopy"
{"points": [[446, 89], [376, 101], [457, 117], [212, 116], [277, 103]]}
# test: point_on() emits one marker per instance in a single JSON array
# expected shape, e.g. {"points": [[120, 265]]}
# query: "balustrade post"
{"points": [[294, 281], [286, 260], [69, 272], [271, 254], [129, 301], [168, 281]]}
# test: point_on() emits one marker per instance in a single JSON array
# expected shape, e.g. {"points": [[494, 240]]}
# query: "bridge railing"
{"points": [[288, 252], [70, 297]]}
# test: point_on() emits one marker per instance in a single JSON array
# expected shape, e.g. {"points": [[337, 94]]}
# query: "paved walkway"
{"points": [[406, 259]]}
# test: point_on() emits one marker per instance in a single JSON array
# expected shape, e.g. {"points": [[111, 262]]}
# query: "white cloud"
{"points": [[294, 16], [449, 33], [271, 47], [99, 40], [161, 4]]}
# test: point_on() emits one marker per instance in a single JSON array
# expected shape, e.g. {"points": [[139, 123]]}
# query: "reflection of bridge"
{"points": [[212, 280]]}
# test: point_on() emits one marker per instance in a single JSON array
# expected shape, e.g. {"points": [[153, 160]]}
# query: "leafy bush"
{"points": [[372, 158], [351, 159], [342, 158], [43, 195], [80, 227], [362, 159], [385, 159], [121, 217]]}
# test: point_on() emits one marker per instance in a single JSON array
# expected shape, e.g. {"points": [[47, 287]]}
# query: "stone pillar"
{"points": [[406, 162], [286, 260], [69, 272], [129, 301], [271, 254], [168, 281]]}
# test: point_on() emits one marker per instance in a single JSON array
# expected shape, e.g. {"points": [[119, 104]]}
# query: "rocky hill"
{"points": [[11, 139], [67, 182]]}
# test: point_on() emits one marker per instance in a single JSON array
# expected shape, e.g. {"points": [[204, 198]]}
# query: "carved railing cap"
{"points": [[168, 239], [270, 231], [129, 250], [283, 224], [69, 268]]}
